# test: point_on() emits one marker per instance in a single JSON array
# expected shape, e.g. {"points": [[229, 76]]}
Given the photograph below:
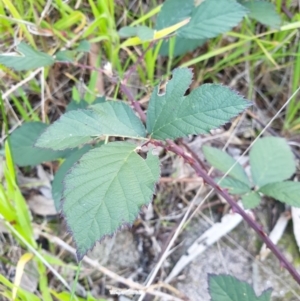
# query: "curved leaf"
{"points": [[172, 115], [271, 160], [223, 162], [233, 186], [211, 18], [81, 126], [22, 145], [106, 190], [286, 192]]}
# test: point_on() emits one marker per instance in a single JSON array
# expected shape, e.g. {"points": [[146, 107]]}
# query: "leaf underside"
{"points": [[105, 191], [78, 127], [173, 115]]}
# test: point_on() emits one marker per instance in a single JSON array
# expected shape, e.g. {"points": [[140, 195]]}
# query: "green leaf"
{"points": [[211, 18], [264, 12], [65, 56], [271, 160], [223, 162], [30, 59], [78, 127], [228, 288], [286, 192], [22, 145], [57, 184], [83, 46], [82, 104], [251, 200], [143, 32], [106, 190], [181, 46], [172, 115], [173, 12], [233, 186]]}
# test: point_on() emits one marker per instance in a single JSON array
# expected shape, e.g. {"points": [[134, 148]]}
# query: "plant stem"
{"points": [[251, 222]]}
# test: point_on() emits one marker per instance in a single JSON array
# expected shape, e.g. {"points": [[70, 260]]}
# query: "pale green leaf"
{"points": [[83, 46], [65, 56], [106, 190], [286, 192], [223, 162], [173, 12], [264, 12], [172, 115], [22, 145], [211, 18], [233, 186], [251, 200], [57, 184], [78, 127], [29, 59], [228, 288], [271, 160], [143, 32]]}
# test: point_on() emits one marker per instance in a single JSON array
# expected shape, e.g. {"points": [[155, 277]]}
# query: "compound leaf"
{"points": [[228, 288], [233, 186], [251, 200], [264, 12], [211, 18], [287, 192], [106, 190], [172, 115], [57, 184], [77, 127], [223, 162], [22, 145], [271, 160], [29, 59]]}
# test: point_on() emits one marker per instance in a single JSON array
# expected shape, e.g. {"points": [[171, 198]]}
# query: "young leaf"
{"points": [[29, 59], [223, 162], [233, 186], [211, 18], [264, 12], [81, 126], [57, 184], [228, 288], [172, 115], [251, 200], [106, 190], [271, 160], [286, 192], [22, 145]]}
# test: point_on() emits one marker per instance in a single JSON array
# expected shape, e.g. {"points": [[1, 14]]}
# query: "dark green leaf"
{"points": [[233, 186], [78, 127], [223, 162], [211, 18], [264, 12], [181, 46], [251, 200], [106, 190], [57, 184], [286, 192], [228, 288], [30, 59], [172, 115], [271, 160], [22, 145]]}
